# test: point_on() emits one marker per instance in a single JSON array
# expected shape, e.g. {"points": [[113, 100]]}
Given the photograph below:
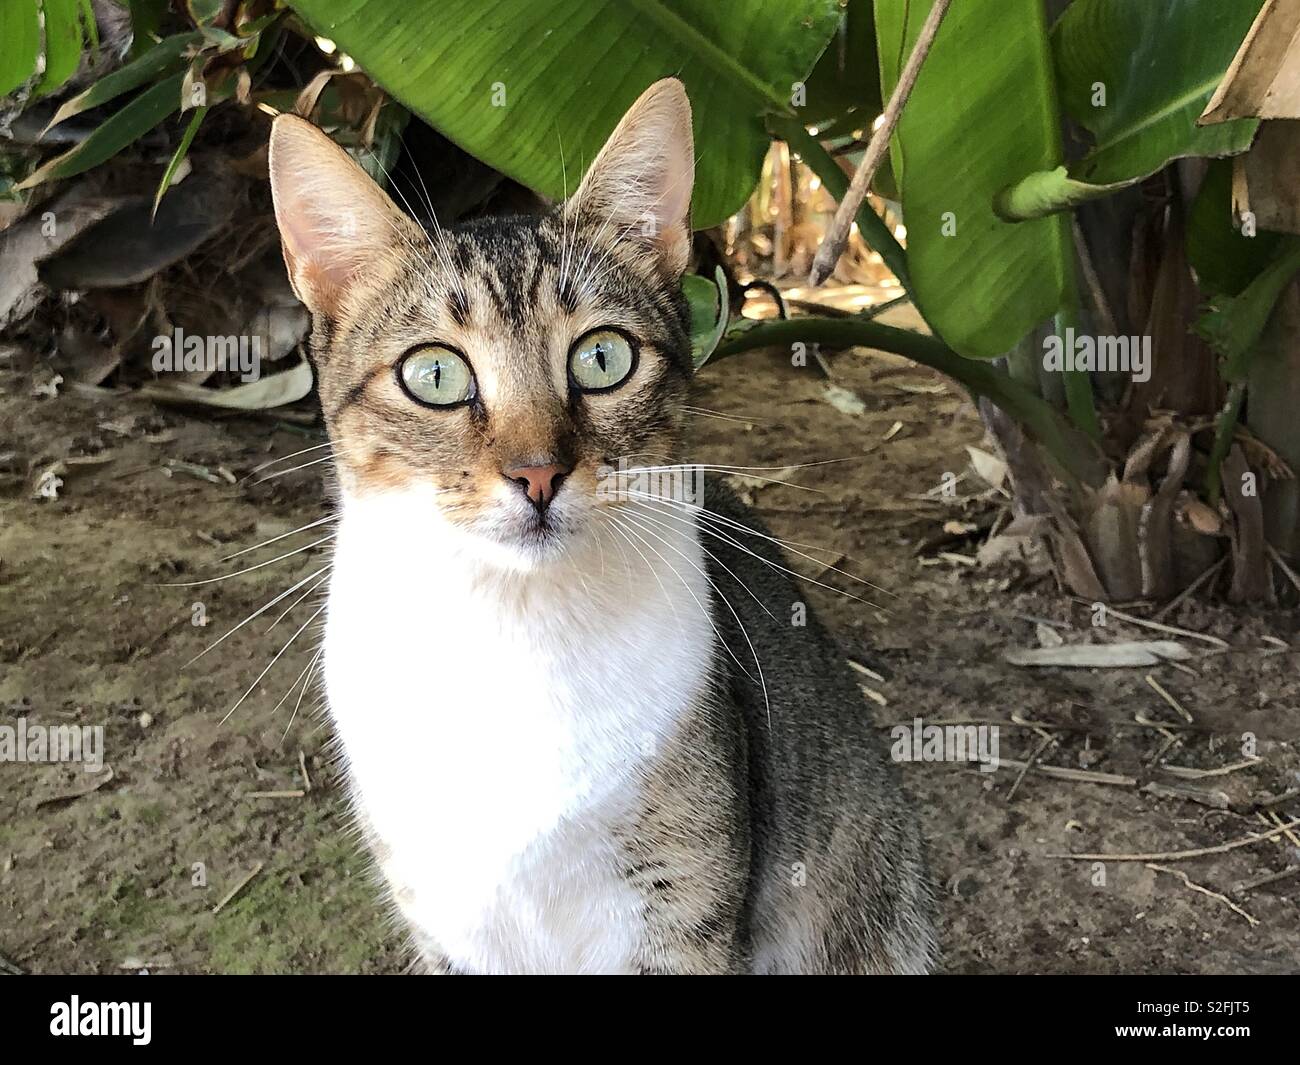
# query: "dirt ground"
{"points": [[107, 872]]}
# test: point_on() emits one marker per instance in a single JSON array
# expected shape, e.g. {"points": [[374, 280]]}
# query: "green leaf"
{"points": [[1136, 74], [1225, 261], [21, 33], [62, 43], [91, 27], [516, 81], [166, 56], [709, 304], [114, 133], [843, 91], [146, 21], [178, 156], [1235, 323], [983, 114], [205, 12]]}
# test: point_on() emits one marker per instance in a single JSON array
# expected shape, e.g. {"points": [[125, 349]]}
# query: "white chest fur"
{"points": [[494, 726]]}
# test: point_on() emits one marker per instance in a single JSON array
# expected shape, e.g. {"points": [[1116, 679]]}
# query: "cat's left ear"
{"points": [[336, 225], [641, 181]]}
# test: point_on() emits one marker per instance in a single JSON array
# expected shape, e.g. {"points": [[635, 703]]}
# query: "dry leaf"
{"points": [[844, 401], [1204, 519], [990, 467], [1100, 655], [1048, 636]]}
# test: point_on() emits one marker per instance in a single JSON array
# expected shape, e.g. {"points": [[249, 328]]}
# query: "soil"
{"points": [[221, 843]]}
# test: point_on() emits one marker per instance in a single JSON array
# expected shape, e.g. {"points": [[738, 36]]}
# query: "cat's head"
{"points": [[493, 372]]}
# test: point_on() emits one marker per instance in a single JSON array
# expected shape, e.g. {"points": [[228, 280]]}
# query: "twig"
{"points": [[1277, 820], [855, 665], [103, 777], [237, 888], [1160, 691], [1163, 726], [296, 793], [1082, 776], [302, 765], [1247, 886], [1112, 612], [1043, 744], [1187, 773], [1217, 800], [1205, 891], [1190, 590], [6, 966], [1281, 562], [1177, 856], [873, 695], [832, 246], [1270, 801], [1170, 740]]}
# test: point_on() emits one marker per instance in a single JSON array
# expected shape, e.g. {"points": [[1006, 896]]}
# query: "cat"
{"points": [[580, 731]]}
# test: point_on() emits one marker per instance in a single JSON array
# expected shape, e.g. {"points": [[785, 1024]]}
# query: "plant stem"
{"points": [[1225, 428], [874, 231], [1075, 454]]}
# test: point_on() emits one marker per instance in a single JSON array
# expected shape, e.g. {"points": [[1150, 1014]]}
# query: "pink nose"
{"points": [[540, 483]]}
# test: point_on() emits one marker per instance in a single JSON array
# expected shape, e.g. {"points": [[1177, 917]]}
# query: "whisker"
{"points": [[655, 573], [721, 595], [724, 466], [282, 536], [653, 517], [294, 716], [283, 458], [787, 545], [292, 469], [250, 569], [439, 249], [257, 613], [279, 654], [719, 417], [626, 533], [294, 685], [290, 609], [708, 531]]}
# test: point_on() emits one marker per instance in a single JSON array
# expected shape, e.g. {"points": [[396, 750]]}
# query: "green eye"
{"points": [[437, 376], [601, 360]]}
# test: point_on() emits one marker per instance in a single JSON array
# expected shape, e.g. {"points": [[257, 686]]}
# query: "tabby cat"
{"points": [[581, 733]]}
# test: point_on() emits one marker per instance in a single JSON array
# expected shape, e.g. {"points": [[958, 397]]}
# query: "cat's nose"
{"points": [[539, 483]]}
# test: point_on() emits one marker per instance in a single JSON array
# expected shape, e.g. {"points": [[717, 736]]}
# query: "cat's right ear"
{"points": [[641, 179], [333, 219]]}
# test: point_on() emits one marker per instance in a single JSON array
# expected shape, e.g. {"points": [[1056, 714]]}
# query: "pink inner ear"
{"points": [[319, 258]]}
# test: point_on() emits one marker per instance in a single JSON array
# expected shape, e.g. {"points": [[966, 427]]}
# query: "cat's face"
{"points": [[495, 372]]}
